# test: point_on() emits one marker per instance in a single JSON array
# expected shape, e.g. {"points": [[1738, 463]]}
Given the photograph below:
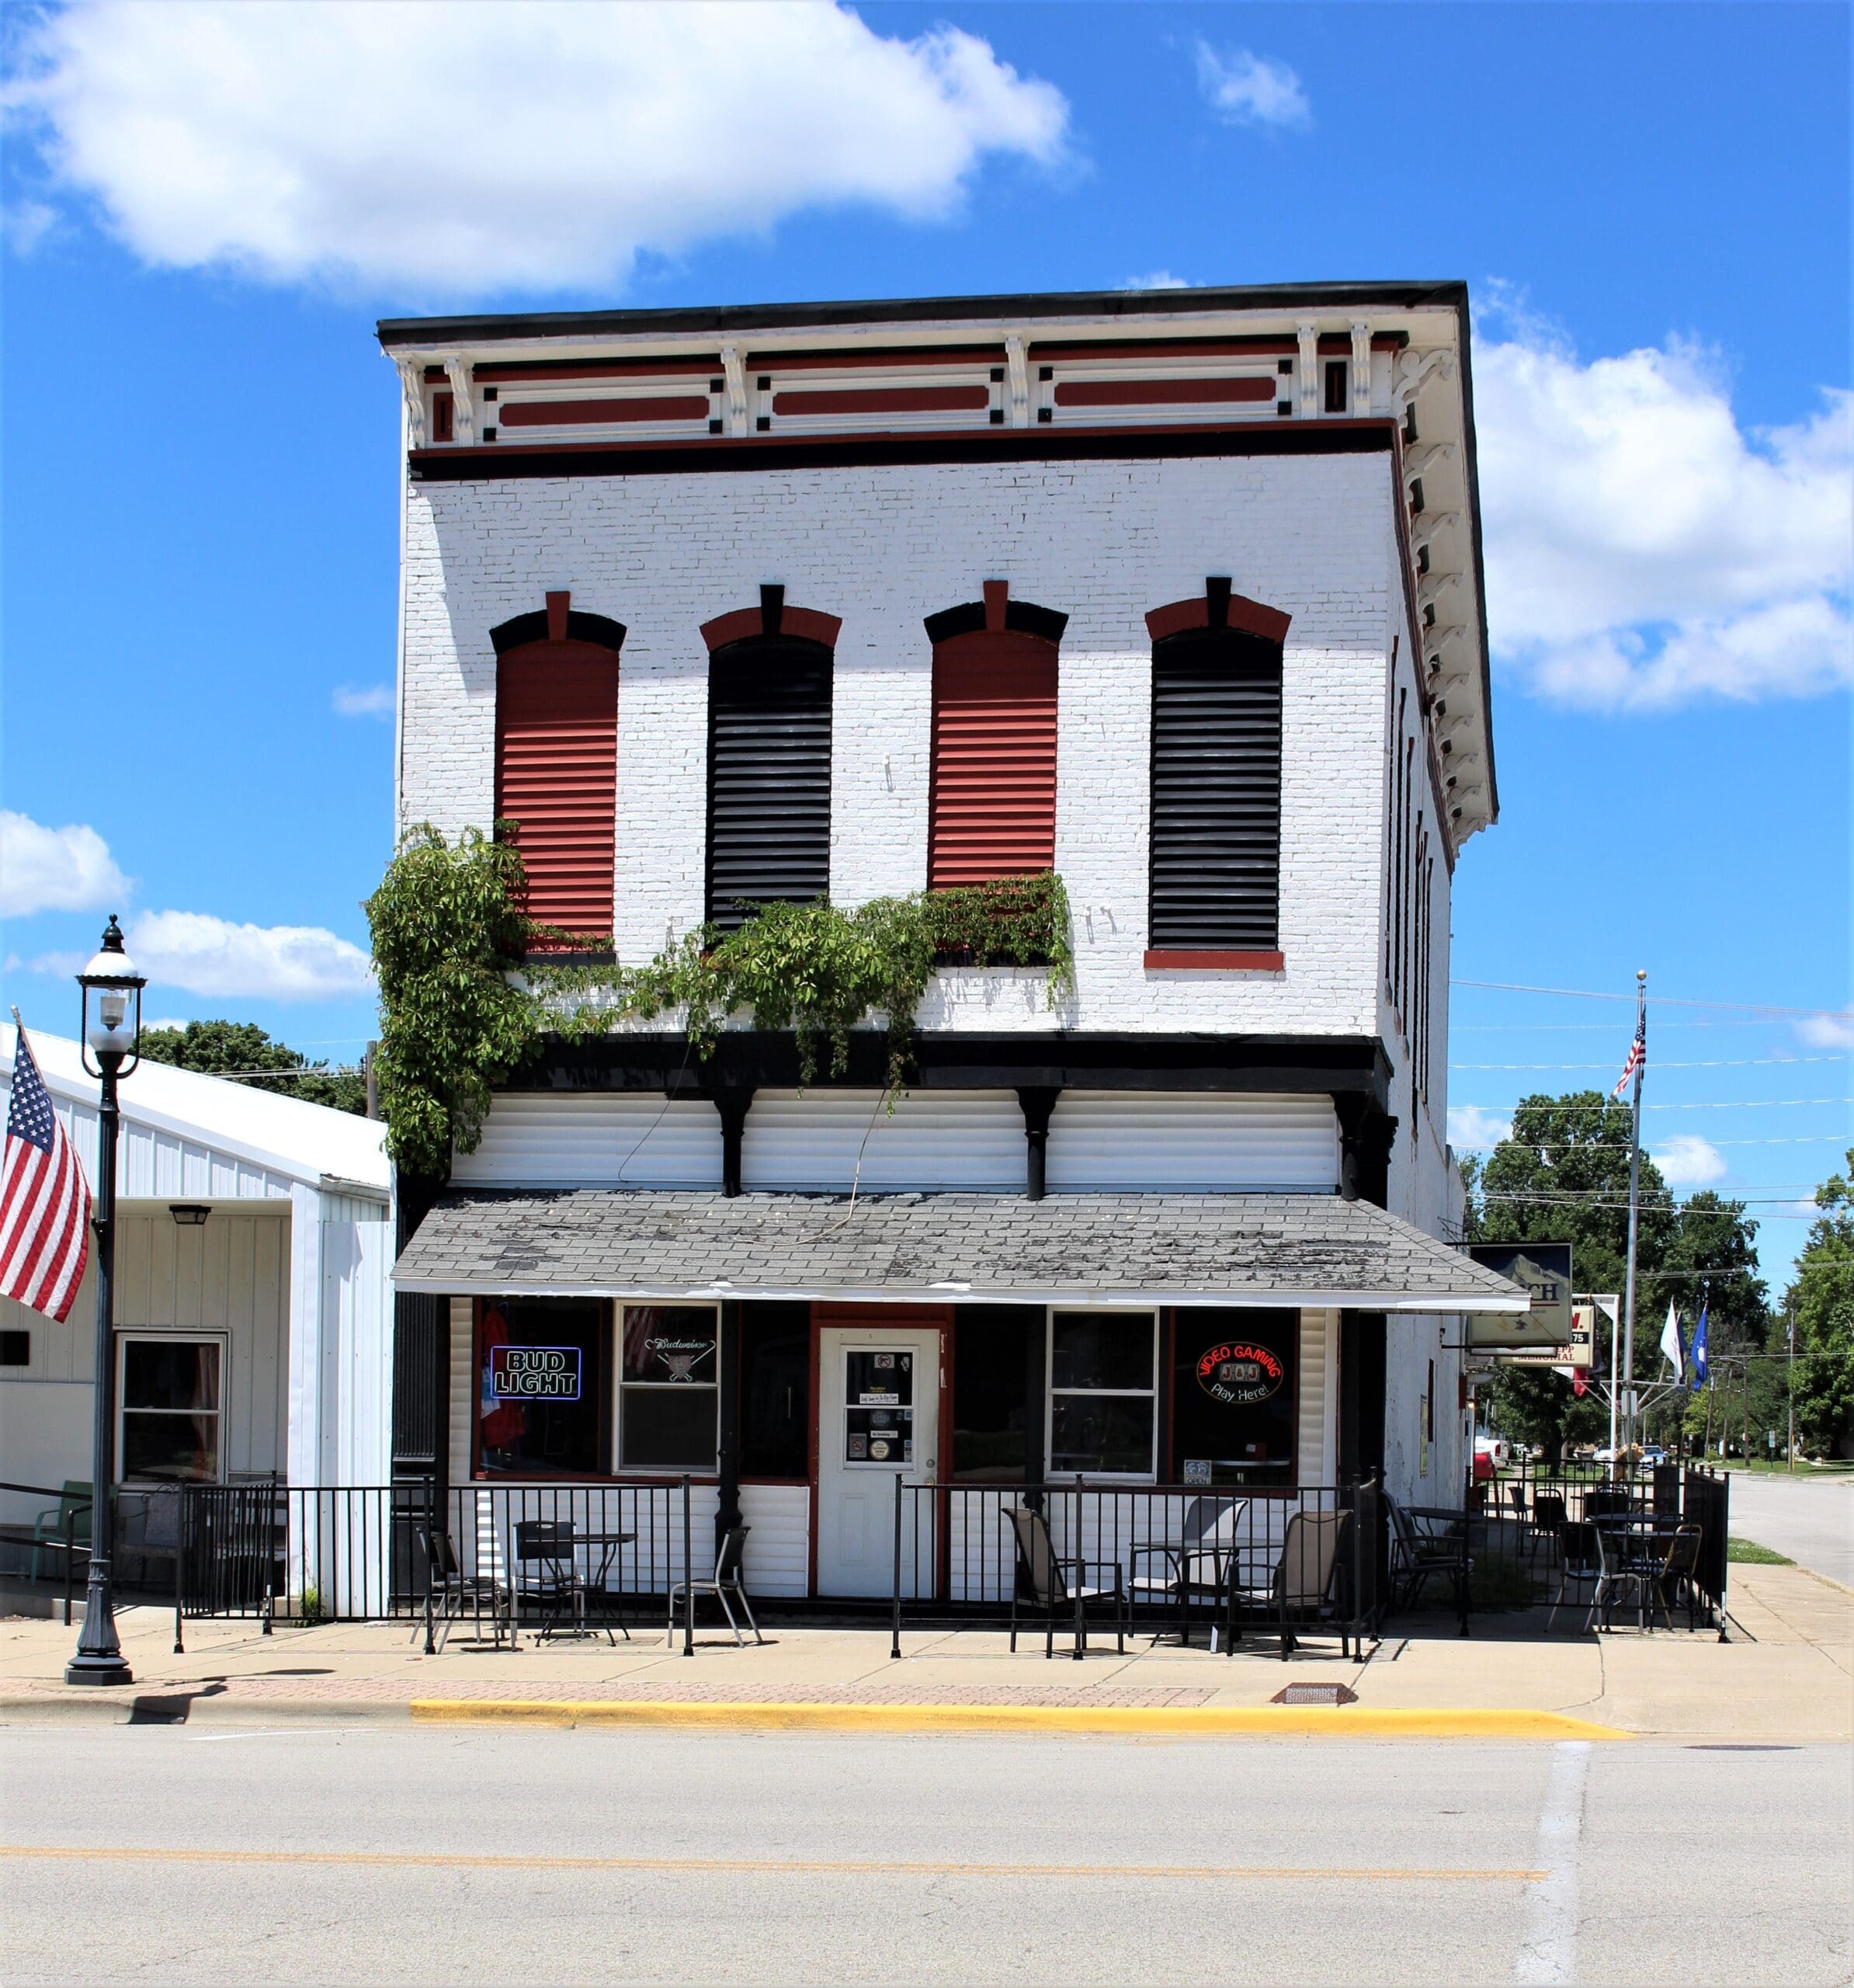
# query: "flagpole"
{"points": [[1641, 1023]]}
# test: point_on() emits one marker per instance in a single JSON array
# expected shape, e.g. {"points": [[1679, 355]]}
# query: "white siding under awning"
{"points": [[1190, 1141], [934, 1139], [595, 1139]]}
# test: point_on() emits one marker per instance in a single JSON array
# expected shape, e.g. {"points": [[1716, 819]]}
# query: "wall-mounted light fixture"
{"points": [[188, 1215]]}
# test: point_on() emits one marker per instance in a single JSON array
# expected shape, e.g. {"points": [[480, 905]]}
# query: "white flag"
{"points": [[1671, 1348]]}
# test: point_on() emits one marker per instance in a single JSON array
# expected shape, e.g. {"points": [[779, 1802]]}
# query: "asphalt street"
{"points": [[1810, 1519], [407, 1854]]}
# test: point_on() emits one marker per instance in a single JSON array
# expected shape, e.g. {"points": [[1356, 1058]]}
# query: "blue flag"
{"points": [[1698, 1350]]}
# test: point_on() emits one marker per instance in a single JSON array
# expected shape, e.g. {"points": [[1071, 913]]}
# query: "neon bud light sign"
{"points": [[534, 1373]]}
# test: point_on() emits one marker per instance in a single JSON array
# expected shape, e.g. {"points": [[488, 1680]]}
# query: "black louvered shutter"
{"points": [[769, 775], [1216, 791]]}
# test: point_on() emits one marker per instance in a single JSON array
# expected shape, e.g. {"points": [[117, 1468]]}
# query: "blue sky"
{"points": [[1651, 204]]}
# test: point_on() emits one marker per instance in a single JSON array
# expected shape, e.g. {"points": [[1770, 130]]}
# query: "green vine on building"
{"points": [[469, 985]]}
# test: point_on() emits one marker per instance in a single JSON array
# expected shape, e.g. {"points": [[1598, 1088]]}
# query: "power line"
{"points": [[1712, 1063], [1664, 1000]]}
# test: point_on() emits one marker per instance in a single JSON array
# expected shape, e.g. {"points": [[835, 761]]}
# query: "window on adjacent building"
{"points": [[668, 1387], [991, 809], [540, 1386], [1233, 1389], [170, 1396], [769, 775], [1103, 1369], [557, 776], [1215, 792]]}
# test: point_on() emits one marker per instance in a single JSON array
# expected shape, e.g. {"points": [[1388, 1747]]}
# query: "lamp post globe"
{"points": [[110, 1035]]}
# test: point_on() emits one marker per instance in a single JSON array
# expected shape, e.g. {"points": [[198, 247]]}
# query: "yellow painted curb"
{"points": [[1310, 1722]]}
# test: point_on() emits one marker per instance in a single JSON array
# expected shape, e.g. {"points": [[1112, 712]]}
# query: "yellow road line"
{"points": [[775, 1866], [1348, 1722]]}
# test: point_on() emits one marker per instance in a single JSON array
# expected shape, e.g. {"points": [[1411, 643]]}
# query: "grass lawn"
{"points": [[1747, 1552]]}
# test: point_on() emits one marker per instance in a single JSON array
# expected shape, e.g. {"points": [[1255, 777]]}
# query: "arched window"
{"points": [[769, 670], [556, 758], [1216, 825], [992, 806]]}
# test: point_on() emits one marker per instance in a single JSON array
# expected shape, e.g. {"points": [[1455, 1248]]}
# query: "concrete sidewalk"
{"points": [[1786, 1677]]}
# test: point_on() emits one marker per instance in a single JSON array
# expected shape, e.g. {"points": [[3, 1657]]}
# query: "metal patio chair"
{"points": [[1196, 1568], [547, 1579], [1300, 1591], [728, 1581], [1680, 1574], [455, 1593], [1056, 1585], [1426, 1542], [1580, 1566]]}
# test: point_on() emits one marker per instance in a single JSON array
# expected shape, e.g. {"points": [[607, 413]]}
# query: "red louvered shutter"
{"points": [[556, 775], [993, 807]]}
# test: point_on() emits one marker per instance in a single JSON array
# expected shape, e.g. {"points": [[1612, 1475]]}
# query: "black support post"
{"points": [[733, 1102], [1037, 1102], [727, 1454]]}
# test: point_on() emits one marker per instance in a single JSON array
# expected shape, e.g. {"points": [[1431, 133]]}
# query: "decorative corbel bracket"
{"points": [[464, 412], [1017, 381], [1306, 370], [1361, 366], [412, 383], [1415, 369], [734, 369]]}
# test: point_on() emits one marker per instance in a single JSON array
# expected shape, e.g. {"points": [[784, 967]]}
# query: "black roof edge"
{"points": [[730, 318], [1471, 463]]}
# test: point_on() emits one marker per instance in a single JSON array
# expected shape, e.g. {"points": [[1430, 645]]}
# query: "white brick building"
{"points": [[1219, 547]]}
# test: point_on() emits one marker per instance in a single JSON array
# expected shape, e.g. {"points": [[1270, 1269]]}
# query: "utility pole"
{"points": [[1641, 1036], [1789, 1453]]}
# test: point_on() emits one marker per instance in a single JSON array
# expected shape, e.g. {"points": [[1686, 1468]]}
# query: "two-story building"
{"points": [[1177, 593]]}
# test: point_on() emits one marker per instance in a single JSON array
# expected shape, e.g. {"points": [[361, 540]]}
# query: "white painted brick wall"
{"points": [[883, 547]]}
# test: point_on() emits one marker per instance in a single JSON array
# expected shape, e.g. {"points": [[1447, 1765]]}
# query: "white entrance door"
{"points": [[878, 1420]]}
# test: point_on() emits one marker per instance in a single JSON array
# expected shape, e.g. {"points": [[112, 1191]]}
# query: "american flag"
{"points": [[1638, 1055], [44, 1199]]}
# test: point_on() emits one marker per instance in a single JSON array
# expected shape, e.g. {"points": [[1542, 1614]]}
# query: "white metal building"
{"points": [[253, 1312]]}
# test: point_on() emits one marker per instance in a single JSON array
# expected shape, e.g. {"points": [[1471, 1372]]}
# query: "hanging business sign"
{"points": [[1576, 1352], [1542, 1269], [534, 1373], [1238, 1373]]}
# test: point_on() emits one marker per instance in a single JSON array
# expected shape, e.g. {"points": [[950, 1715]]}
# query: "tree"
{"points": [[1562, 1175], [1821, 1299], [246, 1054]]}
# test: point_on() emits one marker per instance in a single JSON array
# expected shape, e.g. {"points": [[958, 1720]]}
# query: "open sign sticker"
{"points": [[1238, 1373]]}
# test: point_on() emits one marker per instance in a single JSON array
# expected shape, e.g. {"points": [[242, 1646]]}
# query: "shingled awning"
{"points": [[1288, 1249]]}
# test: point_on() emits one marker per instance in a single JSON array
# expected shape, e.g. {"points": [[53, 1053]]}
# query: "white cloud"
{"points": [[1644, 551], [1686, 1160], [365, 700], [1245, 88], [1159, 279], [1473, 1128], [67, 869], [1828, 1031], [206, 955], [498, 146]]}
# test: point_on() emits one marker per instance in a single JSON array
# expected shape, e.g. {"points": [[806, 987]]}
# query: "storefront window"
{"points": [[776, 1390], [540, 1381], [168, 1394], [668, 1387], [1103, 1386], [991, 1345], [1233, 1389]]}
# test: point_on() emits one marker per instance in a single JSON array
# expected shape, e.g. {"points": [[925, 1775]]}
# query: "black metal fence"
{"points": [[1067, 1555]]}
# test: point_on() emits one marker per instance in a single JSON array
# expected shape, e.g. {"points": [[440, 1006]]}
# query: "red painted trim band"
{"points": [[1164, 393], [691, 368], [567, 414], [884, 399], [1191, 959], [935, 357]]}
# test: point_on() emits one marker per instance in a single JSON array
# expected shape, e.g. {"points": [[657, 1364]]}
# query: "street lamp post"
{"points": [[113, 1036]]}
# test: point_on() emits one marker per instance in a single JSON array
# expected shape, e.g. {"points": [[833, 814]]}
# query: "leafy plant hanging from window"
{"points": [[466, 999]]}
